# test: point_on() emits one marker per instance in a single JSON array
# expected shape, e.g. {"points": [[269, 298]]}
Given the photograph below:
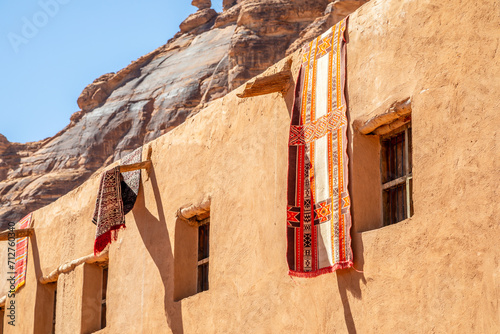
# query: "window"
{"points": [[103, 298], [2, 315], [94, 296], [203, 254], [397, 175], [54, 312], [191, 255]]}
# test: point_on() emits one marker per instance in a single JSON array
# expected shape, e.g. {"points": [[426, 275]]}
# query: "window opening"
{"points": [[103, 298], [397, 176], [2, 315], [203, 254], [54, 312]]}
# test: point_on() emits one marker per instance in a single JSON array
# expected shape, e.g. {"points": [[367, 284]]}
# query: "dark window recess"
{"points": [[103, 300], [54, 312], [397, 176], [203, 254], [2, 316]]}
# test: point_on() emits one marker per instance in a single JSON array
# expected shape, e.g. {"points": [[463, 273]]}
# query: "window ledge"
{"points": [[376, 229]]}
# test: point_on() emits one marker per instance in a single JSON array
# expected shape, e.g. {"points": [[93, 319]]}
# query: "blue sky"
{"points": [[51, 49]]}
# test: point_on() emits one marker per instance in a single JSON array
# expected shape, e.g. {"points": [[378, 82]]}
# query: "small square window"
{"points": [[397, 180]]}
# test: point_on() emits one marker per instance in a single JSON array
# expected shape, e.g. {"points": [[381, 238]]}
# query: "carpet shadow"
{"points": [[45, 293], [155, 236]]}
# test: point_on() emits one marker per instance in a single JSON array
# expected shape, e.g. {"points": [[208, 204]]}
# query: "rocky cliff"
{"points": [[212, 54]]}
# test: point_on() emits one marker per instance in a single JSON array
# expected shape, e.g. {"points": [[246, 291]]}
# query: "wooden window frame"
{"points": [[104, 293], [54, 311], [406, 179], [204, 261]]}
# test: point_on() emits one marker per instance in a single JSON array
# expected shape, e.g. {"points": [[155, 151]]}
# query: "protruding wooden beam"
{"points": [[398, 110], [2, 301], [140, 165], [25, 232], [69, 266], [194, 213], [385, 129], [271, 81]]}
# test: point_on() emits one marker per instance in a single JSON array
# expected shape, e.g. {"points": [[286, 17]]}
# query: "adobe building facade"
{"points": [[436, 272]]}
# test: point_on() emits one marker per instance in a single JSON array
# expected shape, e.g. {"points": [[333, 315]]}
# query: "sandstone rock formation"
{"points": [[202, 4], [334, 12], [201, 17], [226, 4], [265, 29], [4, 143], [229, 16], [210, 56]]}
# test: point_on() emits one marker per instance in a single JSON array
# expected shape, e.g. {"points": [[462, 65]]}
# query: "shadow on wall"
{"points": [[161, 252], [44, 298], [350, 279]]}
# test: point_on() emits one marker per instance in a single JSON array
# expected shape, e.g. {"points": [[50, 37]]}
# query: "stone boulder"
{"points": [[202, 4], [226, 4], [197, 19], [4, 143], [229, 16]]}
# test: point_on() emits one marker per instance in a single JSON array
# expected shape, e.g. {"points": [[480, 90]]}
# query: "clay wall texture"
{"points": [[437, 272]]}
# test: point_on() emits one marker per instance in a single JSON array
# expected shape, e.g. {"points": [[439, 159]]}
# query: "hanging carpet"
{"points": [[116, 197], [318, 211], [22, 253]]}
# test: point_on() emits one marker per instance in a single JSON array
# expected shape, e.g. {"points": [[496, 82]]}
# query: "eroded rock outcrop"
{"points": [[334, 12], [202, 4], [4, 143], [198, 19], [229, 16], [265, 29], [212, 54]]}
